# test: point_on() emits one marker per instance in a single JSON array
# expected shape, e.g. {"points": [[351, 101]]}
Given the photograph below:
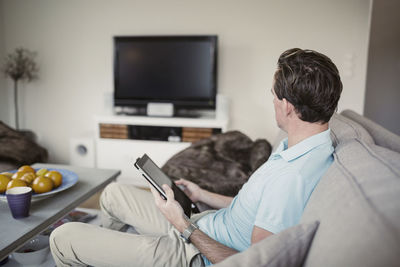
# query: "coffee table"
{"points": [[43, 213]]}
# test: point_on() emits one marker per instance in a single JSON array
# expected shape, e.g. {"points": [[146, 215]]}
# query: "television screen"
{"points": [[173, 69]]}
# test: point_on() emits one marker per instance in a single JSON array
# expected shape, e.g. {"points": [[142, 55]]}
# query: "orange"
{"points": [[55, 176], [28, 177], [4, 180], [16, 183], [42, 185], [26, 168]]}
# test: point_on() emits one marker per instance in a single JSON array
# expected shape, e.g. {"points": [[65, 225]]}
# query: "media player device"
{"points": [[156, 177]]}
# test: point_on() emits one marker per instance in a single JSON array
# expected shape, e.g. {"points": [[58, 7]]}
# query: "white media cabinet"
{"points": [[116, 148]]}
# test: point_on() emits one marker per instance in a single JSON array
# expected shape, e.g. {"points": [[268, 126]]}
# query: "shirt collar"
{"points": [[301, 148]]}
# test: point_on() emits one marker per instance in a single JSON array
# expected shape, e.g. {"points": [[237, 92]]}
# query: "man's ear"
{"points": [[288, 107]]}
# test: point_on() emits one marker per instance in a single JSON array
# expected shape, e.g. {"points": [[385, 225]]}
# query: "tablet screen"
{"points": [[156, 174]]}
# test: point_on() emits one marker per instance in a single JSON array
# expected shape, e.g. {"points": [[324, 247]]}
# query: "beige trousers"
{"points": [[157, 244]]}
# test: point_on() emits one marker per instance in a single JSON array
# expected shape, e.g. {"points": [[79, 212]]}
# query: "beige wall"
{"points": [[74, 42]]}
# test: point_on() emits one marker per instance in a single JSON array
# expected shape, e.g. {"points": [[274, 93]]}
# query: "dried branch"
{"points": [[21, 65]]}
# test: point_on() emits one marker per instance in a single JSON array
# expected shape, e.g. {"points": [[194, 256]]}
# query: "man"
{"points": [[306, 91]]}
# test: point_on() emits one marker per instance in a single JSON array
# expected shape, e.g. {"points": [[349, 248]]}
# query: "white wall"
{"points": [[4, 106], [74, 42]]}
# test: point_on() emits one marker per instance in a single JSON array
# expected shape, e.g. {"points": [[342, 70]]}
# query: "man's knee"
{"points": [[62, 239], [63, 234], [114, 193], [111, 189], [108, 195]]}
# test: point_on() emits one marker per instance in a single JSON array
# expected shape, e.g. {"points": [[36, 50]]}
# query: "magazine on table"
{"points": [[73, 216]]}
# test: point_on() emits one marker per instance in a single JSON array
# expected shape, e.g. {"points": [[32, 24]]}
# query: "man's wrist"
{"points": [[187, 233], [182, 225], [201, 195]]}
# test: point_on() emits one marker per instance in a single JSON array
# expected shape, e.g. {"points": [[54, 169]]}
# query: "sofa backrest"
{"points": [[342, 129], [382, 137], [357, 202]]}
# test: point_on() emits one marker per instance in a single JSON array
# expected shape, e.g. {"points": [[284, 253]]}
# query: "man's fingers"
{"points": [[156, 195], [168, 192], [180, 181], [154, 192]]}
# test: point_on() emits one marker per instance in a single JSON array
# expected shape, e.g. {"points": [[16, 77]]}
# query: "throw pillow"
{"points": [[285, 249]]}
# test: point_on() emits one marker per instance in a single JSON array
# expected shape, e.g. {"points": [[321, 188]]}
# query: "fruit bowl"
{"points": [[69, 179], [34, 252]]}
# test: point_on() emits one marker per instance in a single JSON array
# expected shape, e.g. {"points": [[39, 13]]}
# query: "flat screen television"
{"points": [[181, 70]]}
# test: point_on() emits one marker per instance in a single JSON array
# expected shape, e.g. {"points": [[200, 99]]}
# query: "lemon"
{"points": [[15, 183], [41, 172], [18, 175], [55, 176], [42, 185], [28, 177], [8, 174], [4, 180], [26, 168]]}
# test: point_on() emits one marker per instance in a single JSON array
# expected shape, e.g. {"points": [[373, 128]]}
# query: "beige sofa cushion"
{"points": [[382, 137], [288, 248], [342, 129], [357, 204]]}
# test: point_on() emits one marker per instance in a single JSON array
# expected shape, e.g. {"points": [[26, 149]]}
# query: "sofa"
{"points": [[356, 203]]}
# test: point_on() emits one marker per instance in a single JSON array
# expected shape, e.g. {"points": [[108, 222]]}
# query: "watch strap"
{"points": [[188, 232]]}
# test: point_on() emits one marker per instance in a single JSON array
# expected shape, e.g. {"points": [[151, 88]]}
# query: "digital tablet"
{"points": [[156, 177]]}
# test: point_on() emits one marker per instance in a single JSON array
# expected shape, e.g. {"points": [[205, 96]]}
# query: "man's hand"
{"points": [[192, 190], [170, 208], [197, 194], [173, 212]]}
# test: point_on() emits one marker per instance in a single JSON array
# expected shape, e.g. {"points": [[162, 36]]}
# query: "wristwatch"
{"points": [[188, 232]]}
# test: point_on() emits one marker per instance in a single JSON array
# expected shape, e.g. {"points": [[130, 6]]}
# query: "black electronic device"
{"points": [[156, 177], [181, 70]]}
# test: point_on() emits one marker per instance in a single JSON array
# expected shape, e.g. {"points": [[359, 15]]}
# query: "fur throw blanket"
{"points": [[221, 163], [16, 148]]}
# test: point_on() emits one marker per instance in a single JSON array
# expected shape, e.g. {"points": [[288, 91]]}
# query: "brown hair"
{"points": [[310, 82]]}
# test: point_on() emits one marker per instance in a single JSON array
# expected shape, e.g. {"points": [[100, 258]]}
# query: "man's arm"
{"points": [[173, 212], [210, 248], [195, 193], [259, 234], [215, 251]]}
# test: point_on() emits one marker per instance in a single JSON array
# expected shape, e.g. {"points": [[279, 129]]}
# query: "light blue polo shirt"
{"points": [[275, 195]]}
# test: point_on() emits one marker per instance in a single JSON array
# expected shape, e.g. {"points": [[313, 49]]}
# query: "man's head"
{"points": [[310, 82]]}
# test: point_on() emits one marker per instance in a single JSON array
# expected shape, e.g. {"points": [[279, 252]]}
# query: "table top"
{"points": [[43, 213]]}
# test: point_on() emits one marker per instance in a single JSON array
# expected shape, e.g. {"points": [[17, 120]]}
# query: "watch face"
{"points": [[188, 232], [185, 239]]}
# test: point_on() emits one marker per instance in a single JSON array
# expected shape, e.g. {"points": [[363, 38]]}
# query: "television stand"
{"points": [[189, 113], [130, 111], [179, 113], [120, 139]]}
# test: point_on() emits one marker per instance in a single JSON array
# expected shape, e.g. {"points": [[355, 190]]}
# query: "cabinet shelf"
{"points": [[120, 140]]}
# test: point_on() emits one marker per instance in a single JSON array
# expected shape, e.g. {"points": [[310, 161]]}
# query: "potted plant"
{"points": [[20, 65]]}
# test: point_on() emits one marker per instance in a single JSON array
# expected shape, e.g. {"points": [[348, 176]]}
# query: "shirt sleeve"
{"points": [[282, 204]]}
